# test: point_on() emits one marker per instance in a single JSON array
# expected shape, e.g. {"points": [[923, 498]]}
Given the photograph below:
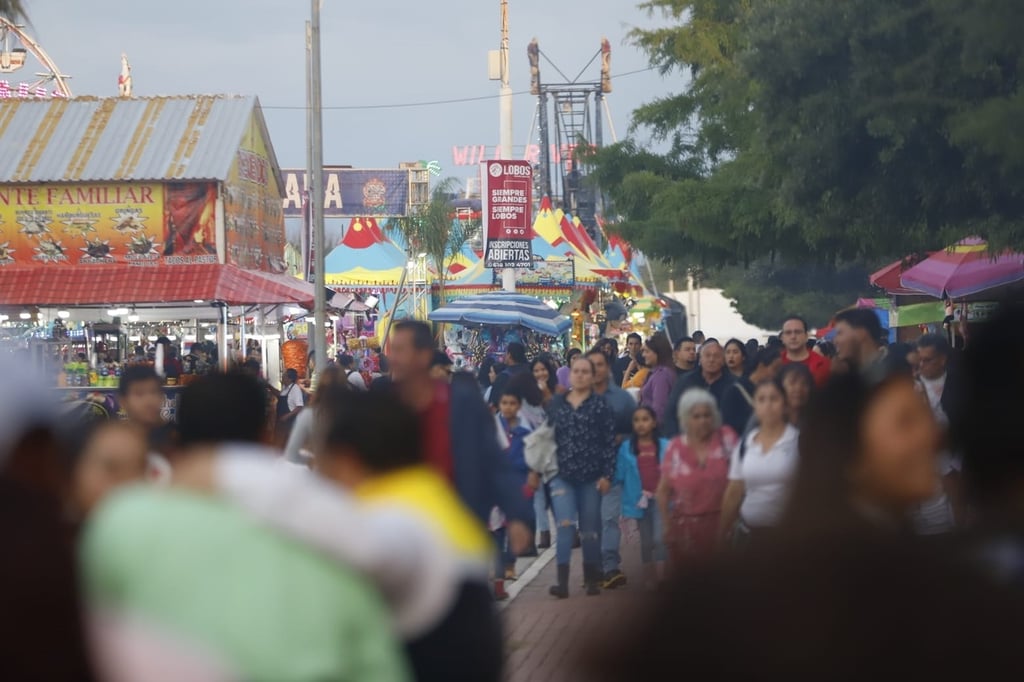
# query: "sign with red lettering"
{"points": [[99, 223], [507, 192]]}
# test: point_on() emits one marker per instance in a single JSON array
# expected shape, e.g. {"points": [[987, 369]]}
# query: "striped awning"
{"points": [[505, 309]]}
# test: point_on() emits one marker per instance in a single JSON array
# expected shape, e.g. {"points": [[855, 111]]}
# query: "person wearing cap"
{"points": [[441, 367]]}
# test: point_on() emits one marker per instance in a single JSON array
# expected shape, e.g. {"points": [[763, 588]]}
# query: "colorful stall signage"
{"points": [[507, 198], [100, 223], [544, 273], [253, 218], [351, 192]]}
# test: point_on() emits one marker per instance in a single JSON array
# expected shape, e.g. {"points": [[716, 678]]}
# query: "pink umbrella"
{"points": [[965, 269]]}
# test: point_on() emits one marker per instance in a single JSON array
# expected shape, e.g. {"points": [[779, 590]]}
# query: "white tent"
{"points": [[710, 311]]}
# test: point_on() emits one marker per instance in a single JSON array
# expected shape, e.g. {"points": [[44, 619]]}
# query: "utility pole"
{"points": [[508, 276], [307, 222], [505, 91], [316, 189]]}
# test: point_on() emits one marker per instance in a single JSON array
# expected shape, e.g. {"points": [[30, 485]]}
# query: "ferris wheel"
{"points": [[16, 47]]}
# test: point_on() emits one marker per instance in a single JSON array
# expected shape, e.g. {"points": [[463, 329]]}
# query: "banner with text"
{"points": [[507, 189], [351, 192], [99, 223], [548, 274]]}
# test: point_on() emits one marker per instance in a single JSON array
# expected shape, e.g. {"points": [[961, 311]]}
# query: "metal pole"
{"points": [[307, 241], [316, 182], [505, 117], [508, 276], [545, 144]]}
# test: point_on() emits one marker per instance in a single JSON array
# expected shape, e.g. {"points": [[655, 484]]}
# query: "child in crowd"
{"points": [[511, 432], [638, 470]]}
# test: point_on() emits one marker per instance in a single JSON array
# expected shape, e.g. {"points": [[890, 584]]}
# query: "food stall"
{"points": [[124, 222]]}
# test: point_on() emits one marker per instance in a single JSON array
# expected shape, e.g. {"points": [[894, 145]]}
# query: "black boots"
{"points": [[561, 590], [545, 540], [592, 578]]}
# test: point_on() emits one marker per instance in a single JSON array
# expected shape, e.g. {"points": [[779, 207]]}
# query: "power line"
{"points": [[432, 103]]}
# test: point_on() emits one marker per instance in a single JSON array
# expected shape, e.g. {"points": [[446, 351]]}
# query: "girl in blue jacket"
{"points": [[638, 470]]}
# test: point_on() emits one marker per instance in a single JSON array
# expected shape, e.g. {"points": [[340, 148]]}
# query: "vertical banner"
{"points": [[507, 222]]}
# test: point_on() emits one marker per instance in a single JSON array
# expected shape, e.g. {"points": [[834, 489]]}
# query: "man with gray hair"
{"points": [[709, 376]]}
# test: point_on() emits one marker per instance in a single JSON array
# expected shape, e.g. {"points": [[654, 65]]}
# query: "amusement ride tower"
{"points": [[569, 116]]}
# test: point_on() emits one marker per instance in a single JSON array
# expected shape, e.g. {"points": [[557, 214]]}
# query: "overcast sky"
{"points": [[376, 52]]}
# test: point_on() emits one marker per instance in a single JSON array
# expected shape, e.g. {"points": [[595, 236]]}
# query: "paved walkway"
{"points": [[545, 637]]}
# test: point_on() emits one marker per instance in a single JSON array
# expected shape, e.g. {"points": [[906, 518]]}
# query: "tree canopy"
{"points": [[11, 9], [809, 134]]}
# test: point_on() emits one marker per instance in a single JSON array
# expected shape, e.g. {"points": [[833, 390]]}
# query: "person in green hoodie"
{"points": [[194, 573]]}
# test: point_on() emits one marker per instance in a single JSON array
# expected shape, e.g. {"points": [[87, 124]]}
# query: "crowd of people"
{"points": [[787, 492]]}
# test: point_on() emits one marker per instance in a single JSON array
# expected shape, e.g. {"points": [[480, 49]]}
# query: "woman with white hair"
{"points": [[694, 476]]}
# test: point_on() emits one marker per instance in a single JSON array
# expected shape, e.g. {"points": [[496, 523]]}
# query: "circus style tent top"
{"points": [[365, 259]]}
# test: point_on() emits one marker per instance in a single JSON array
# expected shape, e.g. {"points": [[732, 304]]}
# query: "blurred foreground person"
{"points": [[387, 513], [457, 431], [42, 632], [844, 590], [298, 449], [986, 430], [185, 587], [141, 396], [103, 456]]}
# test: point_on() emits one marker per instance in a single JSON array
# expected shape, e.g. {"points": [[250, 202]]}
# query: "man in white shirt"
{"points": [[355, 378], [937, 515]]}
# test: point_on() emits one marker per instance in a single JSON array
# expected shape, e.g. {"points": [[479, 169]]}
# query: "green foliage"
{"points": [[820, 135], [765, 292], [12, 9]]}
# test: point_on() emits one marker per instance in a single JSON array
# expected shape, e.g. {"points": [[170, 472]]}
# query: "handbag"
{"points": [[541, 451]]}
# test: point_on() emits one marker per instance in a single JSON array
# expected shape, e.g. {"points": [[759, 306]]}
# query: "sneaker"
{"points": [[510, 574], [499, 591], [613, 579]]}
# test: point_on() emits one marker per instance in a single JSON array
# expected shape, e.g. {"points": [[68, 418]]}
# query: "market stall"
{"points": [[127, 219], [492, 320]]}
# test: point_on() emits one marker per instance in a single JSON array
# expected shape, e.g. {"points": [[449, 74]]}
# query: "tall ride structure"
{"points": [[569, 115]]}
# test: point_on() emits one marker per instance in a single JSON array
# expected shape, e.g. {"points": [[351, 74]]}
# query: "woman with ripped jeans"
{"points": [[585, 436]]}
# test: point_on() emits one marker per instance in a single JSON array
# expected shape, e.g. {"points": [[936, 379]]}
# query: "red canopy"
{"points": [[888, 278], [118, 283]]}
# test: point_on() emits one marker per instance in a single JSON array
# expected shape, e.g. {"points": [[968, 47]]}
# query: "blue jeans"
{"points": [[652, 548], [570, 500], [504, 556], [611, 534], [540, 509]]}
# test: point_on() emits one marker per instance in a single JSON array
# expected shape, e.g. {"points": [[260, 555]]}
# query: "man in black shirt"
{"points": [[685, 355], [634, 342], [710, 376], [516, 363]]}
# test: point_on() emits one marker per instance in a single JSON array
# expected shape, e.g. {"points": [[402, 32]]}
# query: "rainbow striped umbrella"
{"points": [[965, 269]]}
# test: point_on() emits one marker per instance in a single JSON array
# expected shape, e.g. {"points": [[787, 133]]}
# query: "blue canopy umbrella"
{"points": [[506, 309]]}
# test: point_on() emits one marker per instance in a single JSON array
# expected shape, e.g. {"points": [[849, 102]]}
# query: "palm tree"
{"points": [[433, 230], [11, 9]]}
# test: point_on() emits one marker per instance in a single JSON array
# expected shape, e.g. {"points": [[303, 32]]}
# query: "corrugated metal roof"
{"points": [[89, 139]]}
